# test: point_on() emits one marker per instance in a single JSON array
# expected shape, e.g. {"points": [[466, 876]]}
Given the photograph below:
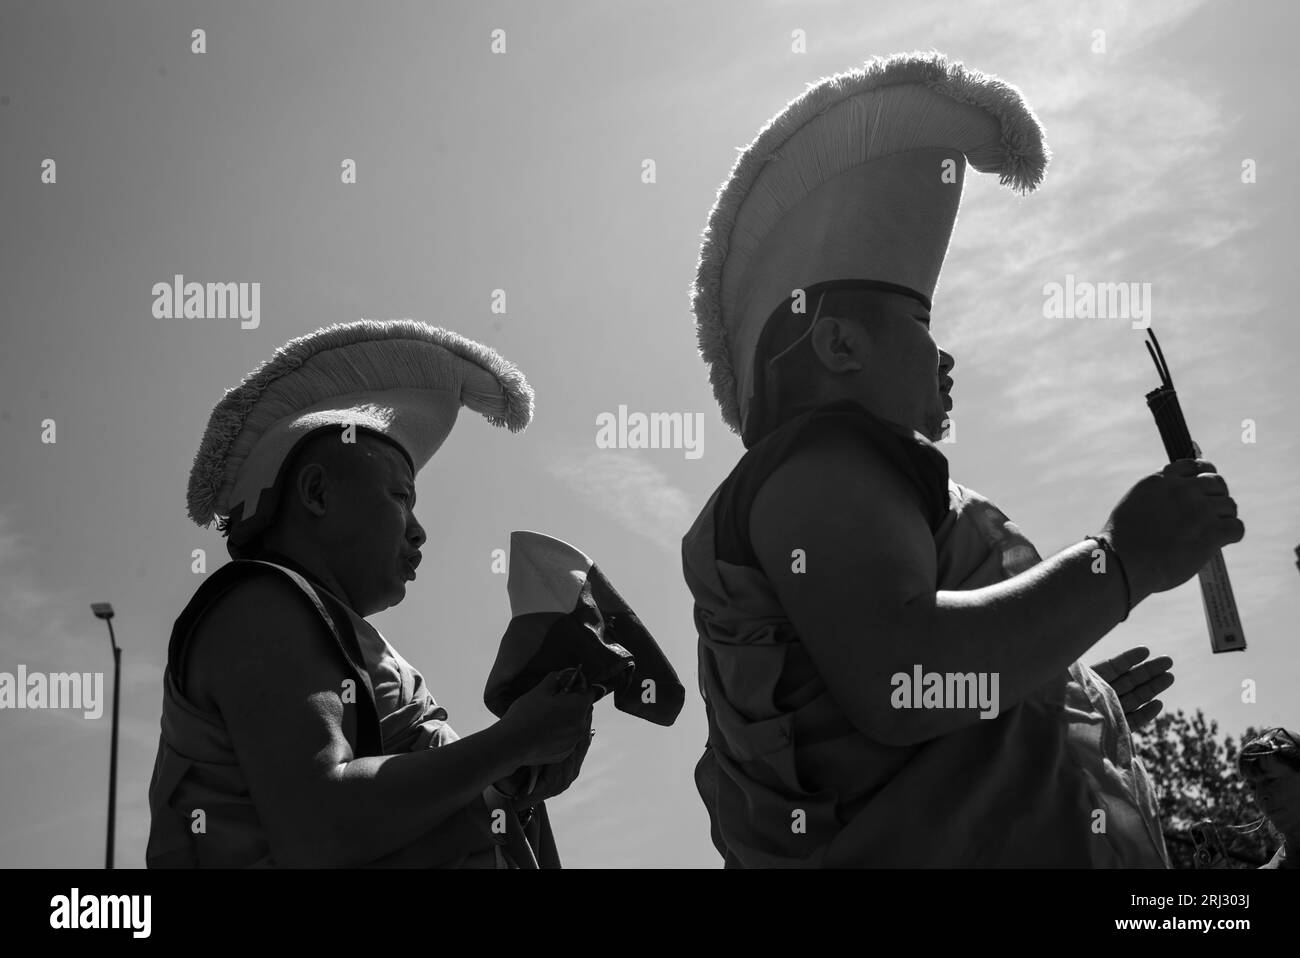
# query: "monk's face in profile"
{"points": [[378, 536], [882, 353], [356, 510]]}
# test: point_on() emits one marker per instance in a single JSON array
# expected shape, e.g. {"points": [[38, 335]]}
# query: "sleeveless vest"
{"points": [[789, 781], [196, 769]]}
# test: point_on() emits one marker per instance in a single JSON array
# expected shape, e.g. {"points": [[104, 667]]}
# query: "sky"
{"points": [[522, 171]]}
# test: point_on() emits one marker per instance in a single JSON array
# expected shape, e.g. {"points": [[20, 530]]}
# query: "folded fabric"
{"points": [[566, 614]]}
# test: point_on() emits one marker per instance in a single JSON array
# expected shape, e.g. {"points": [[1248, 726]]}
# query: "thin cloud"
{"points": [[621, 484]]}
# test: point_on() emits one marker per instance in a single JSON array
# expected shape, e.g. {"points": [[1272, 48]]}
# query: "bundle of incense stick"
{"points": [[1216, 590]]}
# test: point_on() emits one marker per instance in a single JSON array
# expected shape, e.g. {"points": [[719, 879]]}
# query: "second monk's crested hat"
{"points": [[401, 379], [858, 180]]}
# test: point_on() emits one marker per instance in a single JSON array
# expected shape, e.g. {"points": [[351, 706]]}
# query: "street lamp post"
{"points": [[104, 610]]}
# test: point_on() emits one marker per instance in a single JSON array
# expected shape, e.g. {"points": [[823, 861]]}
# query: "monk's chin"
{"points": [[395, 595], [935, 429]]}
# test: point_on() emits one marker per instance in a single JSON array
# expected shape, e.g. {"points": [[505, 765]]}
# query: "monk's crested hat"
{"points": [[401, 379], [566, 614], [857, 182]]}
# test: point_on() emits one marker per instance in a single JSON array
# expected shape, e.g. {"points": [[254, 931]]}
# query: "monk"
{"points": [[890, 669], [293, 733]]}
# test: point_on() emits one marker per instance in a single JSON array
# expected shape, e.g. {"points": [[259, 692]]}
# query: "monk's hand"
{"points": [[1137, 683], [554, 778], [547, 723]]}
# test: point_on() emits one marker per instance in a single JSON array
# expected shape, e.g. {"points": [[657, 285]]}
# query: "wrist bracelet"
{"points": [[1109, 549]]}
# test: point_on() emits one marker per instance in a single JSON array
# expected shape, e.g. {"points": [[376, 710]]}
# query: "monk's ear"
{"points": [[311, 488], [840, 345]]}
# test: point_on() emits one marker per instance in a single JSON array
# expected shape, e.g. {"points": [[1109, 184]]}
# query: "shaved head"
{"points": [[343, 460]]}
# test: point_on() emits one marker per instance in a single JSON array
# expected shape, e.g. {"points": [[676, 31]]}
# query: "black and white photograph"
{"points": [[648, 436]]}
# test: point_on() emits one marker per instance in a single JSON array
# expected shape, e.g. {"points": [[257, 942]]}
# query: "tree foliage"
{"points": [[1196, 779]]}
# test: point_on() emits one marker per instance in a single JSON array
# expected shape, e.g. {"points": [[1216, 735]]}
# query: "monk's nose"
{"points": [[946, 361]]}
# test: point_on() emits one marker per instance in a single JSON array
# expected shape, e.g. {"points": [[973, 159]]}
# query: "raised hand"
{"points": [[1137, 683]]}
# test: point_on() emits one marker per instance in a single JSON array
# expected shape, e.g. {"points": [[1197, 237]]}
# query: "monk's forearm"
{"points": [[379, 804], [1027, 630], [1032, 627]]}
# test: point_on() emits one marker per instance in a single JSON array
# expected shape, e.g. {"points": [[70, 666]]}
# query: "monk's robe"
{"points": [[202, 814], [789, 781]]}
